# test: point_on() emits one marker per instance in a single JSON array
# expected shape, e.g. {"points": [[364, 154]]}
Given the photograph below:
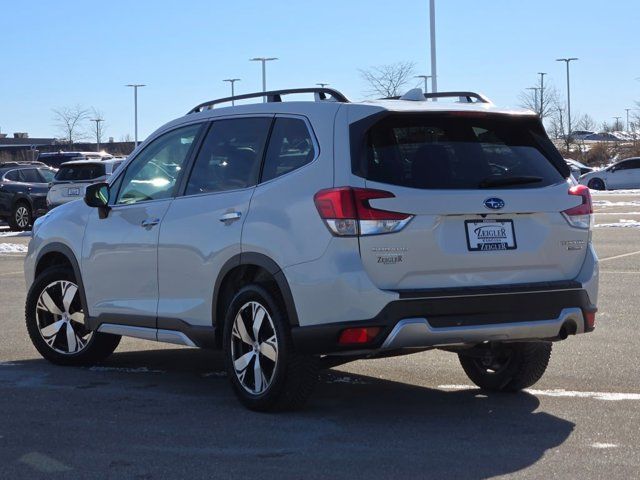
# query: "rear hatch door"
{"points": [[487, 194]]}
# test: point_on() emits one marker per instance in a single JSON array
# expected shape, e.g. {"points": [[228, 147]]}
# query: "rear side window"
{"points": [[230, 156], [290, 147], [30, 175], [47, 175], [12, 176], [78, 173], [450, 151]]}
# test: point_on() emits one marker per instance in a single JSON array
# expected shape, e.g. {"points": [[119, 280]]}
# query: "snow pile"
{"points": [[597, 193], [8, 233], [623, 223], [12, 248], [609, 203]]}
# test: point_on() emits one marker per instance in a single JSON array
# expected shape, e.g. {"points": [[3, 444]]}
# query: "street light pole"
{"points": [[567, 62], [97, 120], [535, 101], [233, 93], [432, 30], [264, 61], [616, 126], [627, 110], [425, 77], [542, 74], [135, 87]]}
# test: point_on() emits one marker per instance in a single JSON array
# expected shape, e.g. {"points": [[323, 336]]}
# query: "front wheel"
{"points": [[596, 184], [506, 367], [56, 324], [265, 372]]}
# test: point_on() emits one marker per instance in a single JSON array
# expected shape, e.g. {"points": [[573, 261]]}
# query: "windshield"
{"points": [[459, 151], [80, 172]]}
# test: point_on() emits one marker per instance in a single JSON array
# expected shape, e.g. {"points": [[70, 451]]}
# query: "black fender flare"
{"points": [[22, 198], [61, 248], [263, 261]]}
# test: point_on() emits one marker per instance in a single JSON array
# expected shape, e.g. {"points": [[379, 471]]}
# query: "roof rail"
{"points": [[275, 96], [19, 163], [467, 97]]}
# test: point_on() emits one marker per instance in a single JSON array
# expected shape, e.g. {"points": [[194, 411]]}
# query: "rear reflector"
{"points": [[346, 211], [352, 336], [590, 319], [581, 215]]}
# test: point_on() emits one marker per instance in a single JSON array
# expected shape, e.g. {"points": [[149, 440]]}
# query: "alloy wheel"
{"points": [[60, 318], [22, 216], [254, 348]]}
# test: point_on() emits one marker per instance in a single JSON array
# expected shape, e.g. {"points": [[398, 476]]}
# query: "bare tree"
{"points": [[586, 122], [126, 138], [388, 80], [69, 121], [531, 99]]}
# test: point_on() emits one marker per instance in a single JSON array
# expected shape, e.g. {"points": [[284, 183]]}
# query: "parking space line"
{"points": [[619, 256], [561, 392], [7, 274]]}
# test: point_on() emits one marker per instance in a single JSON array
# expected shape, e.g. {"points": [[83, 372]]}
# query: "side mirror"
{"points": [[97, 196]]}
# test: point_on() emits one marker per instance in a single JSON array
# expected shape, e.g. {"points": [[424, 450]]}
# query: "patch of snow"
{"points": [[632, 191], [609, 203], [623, 223], [8, 233], [12, 248]]}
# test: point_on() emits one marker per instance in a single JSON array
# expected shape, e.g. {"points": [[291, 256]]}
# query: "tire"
{"points": [[596, 184], [55, 321], [509, 367], [20, 218], [267, 374]]}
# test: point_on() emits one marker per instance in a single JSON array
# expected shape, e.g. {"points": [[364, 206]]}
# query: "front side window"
{"points": [[155, 172], [290, 147], [47, 175], [446, 151], [230, 156]]}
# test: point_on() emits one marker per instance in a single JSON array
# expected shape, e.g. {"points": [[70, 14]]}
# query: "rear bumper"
{"points": [[462, 316]]}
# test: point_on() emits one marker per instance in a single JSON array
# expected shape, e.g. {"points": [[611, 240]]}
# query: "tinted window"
{"points": [[80, 172], [55, 160], [459, 152], [230, 156], [30, 175], [47, 175], [155, 172], [12, 176], [627, 165], [290, 147]]}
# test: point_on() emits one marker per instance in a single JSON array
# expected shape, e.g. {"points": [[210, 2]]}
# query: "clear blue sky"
{"points": [[62, 53]]}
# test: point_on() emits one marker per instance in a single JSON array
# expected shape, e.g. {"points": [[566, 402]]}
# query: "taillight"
{"points": [[580, 216], [346, 211]]}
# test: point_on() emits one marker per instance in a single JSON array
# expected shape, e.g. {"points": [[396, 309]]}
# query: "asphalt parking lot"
{"points": [[154, 411]]}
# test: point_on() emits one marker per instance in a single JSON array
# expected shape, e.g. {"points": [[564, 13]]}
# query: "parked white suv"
{"points": [[302, 234]]}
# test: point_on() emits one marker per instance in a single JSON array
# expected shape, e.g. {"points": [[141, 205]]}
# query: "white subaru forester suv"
{"points": [[304, 234]]}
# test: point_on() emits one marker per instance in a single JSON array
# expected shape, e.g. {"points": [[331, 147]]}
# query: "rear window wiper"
{"points": [[500, 181]]}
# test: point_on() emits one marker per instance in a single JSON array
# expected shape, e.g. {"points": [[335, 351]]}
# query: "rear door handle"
{"points": [[230, 217], [150, 222]]}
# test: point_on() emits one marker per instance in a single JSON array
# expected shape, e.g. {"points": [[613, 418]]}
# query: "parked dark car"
{"points": [[23, 192]]}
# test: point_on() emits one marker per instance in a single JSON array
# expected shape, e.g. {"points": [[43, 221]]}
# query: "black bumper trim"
{"points": [[441, 311]]}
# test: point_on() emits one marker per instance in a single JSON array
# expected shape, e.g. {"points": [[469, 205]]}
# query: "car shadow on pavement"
{"points": [[150, 410]]}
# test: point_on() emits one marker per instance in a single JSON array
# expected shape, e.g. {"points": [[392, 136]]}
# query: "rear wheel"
{"points": [[55, 321], [596, 184], [265, 372], [20, 217], [507, 367]]}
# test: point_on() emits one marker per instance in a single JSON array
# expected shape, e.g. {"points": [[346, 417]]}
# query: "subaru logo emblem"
{"points": [[494, 203]]}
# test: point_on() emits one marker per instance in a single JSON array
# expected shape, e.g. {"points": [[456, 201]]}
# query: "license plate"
{"points": [[489, 235], [73, 192]]}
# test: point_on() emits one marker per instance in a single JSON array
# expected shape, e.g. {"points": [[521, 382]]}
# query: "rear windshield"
{"points": [[457, 151], [80, 172]]}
